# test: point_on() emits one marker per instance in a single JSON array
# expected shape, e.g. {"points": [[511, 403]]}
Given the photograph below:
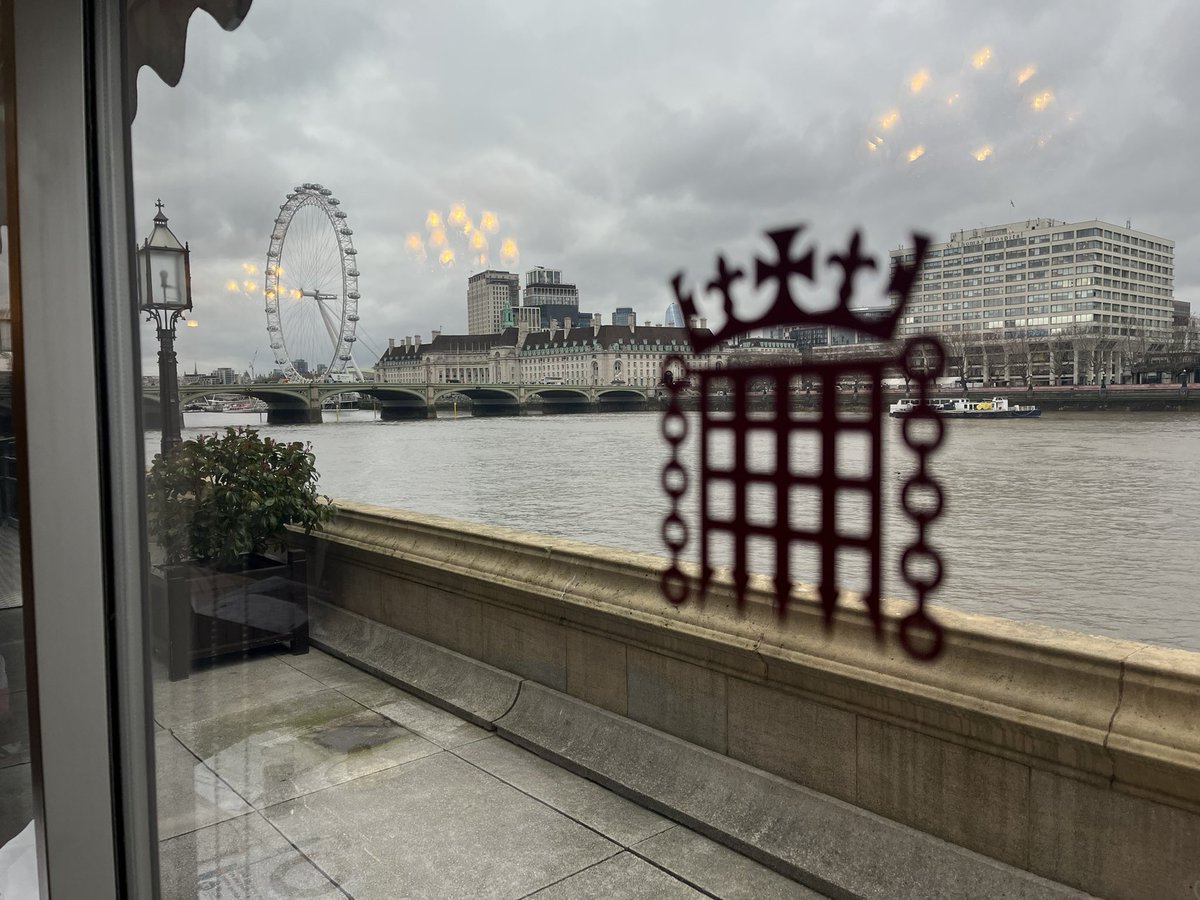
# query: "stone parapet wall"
{"points": [[1071, 756]]}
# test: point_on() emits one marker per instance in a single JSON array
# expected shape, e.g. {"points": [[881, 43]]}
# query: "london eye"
{"points": [[311, 288]]}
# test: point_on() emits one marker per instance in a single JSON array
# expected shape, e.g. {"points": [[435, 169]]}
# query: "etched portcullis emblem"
{"points": [[792, 506]]}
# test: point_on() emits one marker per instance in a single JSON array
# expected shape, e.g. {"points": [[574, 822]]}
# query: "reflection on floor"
{"points": [[290, 776], [10, 567], [16, 800]]}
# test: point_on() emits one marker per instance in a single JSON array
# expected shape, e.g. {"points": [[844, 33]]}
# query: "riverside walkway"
{"points": [[303, 776]]}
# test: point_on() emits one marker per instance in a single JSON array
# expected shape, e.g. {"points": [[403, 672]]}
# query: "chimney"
{"points": [[633, 327], [566, 326], [391, 344], [595, 326], [416, 340], [437, 333]]}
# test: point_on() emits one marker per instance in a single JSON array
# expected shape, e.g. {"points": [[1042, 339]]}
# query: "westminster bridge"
{"points": [[302, 403], [291, 404]]}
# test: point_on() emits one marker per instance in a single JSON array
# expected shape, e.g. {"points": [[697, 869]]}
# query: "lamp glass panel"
{"points": [[167, 288]]}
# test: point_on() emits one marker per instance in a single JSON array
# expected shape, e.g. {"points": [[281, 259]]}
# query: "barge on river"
{"points": [[996, 408]]}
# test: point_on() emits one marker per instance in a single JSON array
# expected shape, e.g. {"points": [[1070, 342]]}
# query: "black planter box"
{"points": [[199, 612]]}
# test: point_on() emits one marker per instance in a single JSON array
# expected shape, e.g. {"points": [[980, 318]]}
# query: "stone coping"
{"points": [[1109, 712]]}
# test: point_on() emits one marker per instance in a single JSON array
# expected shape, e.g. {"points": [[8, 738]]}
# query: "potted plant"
{"points": [[217, 507]]}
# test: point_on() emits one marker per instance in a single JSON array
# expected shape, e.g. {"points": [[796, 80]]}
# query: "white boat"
{"points": [[959, 408], [251, 405]]}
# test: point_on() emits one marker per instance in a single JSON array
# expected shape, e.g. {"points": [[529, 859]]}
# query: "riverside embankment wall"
{"points": [[1070, 756]]}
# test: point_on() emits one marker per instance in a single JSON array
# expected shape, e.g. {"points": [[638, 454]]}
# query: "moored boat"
{"points": [[958, 408]]}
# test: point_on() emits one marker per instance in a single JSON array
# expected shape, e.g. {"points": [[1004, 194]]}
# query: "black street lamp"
{"points": [[165, 292]]}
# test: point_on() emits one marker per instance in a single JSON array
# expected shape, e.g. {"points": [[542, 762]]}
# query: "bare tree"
{"points": [[956, 356], [1136, 350], [1059, 348], [1030, 351], [1018, 352]]}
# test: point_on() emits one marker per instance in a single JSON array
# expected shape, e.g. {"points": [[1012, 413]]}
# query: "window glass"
{"points": [[440, 275], [16, 777]]}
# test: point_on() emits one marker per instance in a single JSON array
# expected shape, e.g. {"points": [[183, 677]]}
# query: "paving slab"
{"points": [[624, 876], [16, 800], [718, 870], [226, 684], [618, 819], [437, 827], [442, 728], [190, 794], [242, 857], [274, 752], [327, 669], [431, 722]]}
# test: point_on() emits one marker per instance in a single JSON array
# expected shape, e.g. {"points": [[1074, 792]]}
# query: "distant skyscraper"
{"points": [[624, 315], [487, 294], [545, 287], [674, 316]]}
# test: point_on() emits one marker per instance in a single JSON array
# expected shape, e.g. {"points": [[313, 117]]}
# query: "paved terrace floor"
{"points": [[302, 776]]}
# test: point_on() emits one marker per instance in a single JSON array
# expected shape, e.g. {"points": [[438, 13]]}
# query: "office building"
{"points": [[1041, 278], [624, 315], [550, 313], [545, 287], [487, 294]]}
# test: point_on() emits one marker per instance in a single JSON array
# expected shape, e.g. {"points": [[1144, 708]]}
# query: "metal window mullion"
{"points": [[70, 573], [123, 466]]}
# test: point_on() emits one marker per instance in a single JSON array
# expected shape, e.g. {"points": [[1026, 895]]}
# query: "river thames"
{"points": [[1084, 521]]}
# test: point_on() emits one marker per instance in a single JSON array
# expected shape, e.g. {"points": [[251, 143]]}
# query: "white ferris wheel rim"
{"points": [[342, 342]]}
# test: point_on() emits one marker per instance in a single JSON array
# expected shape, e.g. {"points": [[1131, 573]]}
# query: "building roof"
{"points": [[604, 339], [451, 343], [495, 275], [608, 335]]}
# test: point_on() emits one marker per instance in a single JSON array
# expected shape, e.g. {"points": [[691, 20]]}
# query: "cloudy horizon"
{"points": [[622, 147]]}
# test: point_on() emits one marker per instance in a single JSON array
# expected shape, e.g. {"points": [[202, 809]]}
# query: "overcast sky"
{"points": [[623, 141]]}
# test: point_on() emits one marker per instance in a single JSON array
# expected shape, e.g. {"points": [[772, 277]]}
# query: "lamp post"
{"points": [[165, 294]]}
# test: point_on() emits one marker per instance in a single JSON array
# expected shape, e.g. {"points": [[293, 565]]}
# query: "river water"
{"points": [[1079, 520]]}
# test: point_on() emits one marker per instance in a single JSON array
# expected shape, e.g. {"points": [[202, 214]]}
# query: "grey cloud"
{"points": [[623, 145]]}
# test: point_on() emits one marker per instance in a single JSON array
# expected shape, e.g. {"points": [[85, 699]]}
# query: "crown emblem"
{"points": [[784, 309]]}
